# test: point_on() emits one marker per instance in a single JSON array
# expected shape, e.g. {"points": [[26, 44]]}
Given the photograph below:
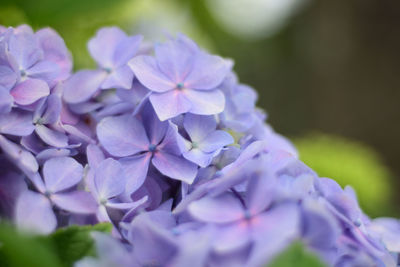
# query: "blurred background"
{"points": [[326, 71]]}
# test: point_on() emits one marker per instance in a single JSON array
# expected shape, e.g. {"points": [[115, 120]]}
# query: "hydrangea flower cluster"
{"points": [[164, 143]]}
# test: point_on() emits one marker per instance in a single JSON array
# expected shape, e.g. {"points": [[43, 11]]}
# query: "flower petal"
{"points": [[61, 173], [83, 85], [110, 179], [34, 213], [51, 137], [216, 140], [6, 100], [146, 71], [126, 49], [122, 136], [197, 156], [119, 78], [135, 169], [29, 91], [17, 123], [24, 48], [205, 102], [170, 104], [175, 167], [7, 77], [77, 202], [44, 70], [198, 127]]}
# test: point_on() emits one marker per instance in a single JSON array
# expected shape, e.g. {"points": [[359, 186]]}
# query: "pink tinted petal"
{"points": [[146, 71], [119, 78], [61, 173], [77, 202], [233, 236], [44, 70], [208, 72], [103, 46], [122, 136], [135, 169], [222, 209], [216, 140], [126, 49], [110, 179], [51, 137], [6, 100], [205, 102], [170, 104], [83, 85], [198, 127], [55, 50], [34, 213], [175, 167], [7, 77], [29, 91], [175, 59], [18, 155], [17, 123]]}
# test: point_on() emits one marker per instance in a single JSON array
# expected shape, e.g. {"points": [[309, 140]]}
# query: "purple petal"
{"points": [[260, 192], [222, 209], [61, 173], [34, 213], [129, 205], [6, 100], [22, 158], [17, 123], [55, 50], [175, 167], [155, 129], [119, 78], [53, 110], [94, 155], [172, 142], [205, 102], [232, 237], [198, 127], [7, 77], [135, 169], [122, 136], [24, 48], [44, 70], [216, 140], [170, 104], [83, 85], [207, 73], [110, 179], [175, 59], [29, 91], [103, 46], [47, 154], [77, 202], [126, 49], [146, 70], [199, 157], [51, 137]]}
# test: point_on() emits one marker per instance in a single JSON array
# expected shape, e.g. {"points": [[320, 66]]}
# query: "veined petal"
{"points": [[197, 156], [126, 50], [51, 137], [44, 70], [147, 72], [198, 127], [119, 78], [205, 102], [215, 140], [175, 167], [135, 169], [29, 91], [110, 179], [76, 201], [18, 123], [61, 173], [170, 104]]}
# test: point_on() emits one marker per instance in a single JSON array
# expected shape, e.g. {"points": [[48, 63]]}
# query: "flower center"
{"points": [[107, 69], [22, 73], [152, 148], [179, 86], [247, 215], [195, 145]]}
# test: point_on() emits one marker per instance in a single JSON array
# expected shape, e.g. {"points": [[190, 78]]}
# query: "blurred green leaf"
{"points": [[11, 15], [350, 163], [296, 255]]}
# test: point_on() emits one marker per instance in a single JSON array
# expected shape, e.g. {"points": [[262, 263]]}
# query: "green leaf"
{"points": [[74, 242], [296, 255], [17, 249]]}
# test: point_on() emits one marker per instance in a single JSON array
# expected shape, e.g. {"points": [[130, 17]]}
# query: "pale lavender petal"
{"points": [[199, 157], [110, 179], [61, 173], [135, 169], [172, 142], [44, 70], [77, 202], [205, 102], [222, 209], [17, 123], [122, 136], [260, 192], [53, 109], [232, 237], [216, 140], [7, 77], [119, 78], [175, 59], [94, 155], [126, 49], [155, 129], [29, 91], [6, 100], [34, 213], [170, 104], [51, 137], [24, 48], [146, 71], [83, 85], [79, 134], [55, 50], [47, 154], [103, 46], [128, 205], [208, 72], [22, 158], [175, 167], [198, 127]]}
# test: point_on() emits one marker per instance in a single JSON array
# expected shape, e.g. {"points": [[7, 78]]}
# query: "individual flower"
{"points": [[182, 78], [111, 48]]}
